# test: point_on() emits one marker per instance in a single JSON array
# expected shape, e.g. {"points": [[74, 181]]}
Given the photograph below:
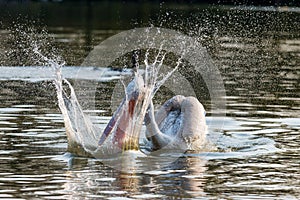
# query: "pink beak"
{"points": [[122, 119]]}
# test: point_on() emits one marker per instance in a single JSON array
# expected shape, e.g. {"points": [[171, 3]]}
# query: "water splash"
{"points": [[83, 136], [21, 40]]}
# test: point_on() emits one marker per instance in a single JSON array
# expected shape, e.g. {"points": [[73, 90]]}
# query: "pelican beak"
{"points": [[112, 123], [126, 135], [126, 122]]}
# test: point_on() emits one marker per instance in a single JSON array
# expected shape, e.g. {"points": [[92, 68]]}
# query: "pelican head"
{"points": [[126, 123]]}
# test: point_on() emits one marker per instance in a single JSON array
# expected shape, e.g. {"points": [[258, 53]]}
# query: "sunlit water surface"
{"points": [[257, 146]]}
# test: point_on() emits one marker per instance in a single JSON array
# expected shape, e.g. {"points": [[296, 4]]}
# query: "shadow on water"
{"points": [[257, 50]]}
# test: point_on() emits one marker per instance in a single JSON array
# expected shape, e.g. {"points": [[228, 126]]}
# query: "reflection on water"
{"points": [[257, 147]]}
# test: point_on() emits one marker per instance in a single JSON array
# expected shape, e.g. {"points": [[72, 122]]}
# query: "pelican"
{"points": [[179, 123]]}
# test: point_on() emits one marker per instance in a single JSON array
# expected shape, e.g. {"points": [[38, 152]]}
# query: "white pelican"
{"points": [[179, 123]]}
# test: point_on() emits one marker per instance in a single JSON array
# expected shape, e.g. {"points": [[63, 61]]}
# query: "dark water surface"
{"points": [[257, 156]]}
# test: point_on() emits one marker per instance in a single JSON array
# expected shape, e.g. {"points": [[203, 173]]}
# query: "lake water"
{"points": [[256, 145]]}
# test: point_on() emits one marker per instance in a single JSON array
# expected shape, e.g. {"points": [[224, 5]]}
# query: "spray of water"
{"points": [[156, 43], [83, 136], [86, 138]]}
